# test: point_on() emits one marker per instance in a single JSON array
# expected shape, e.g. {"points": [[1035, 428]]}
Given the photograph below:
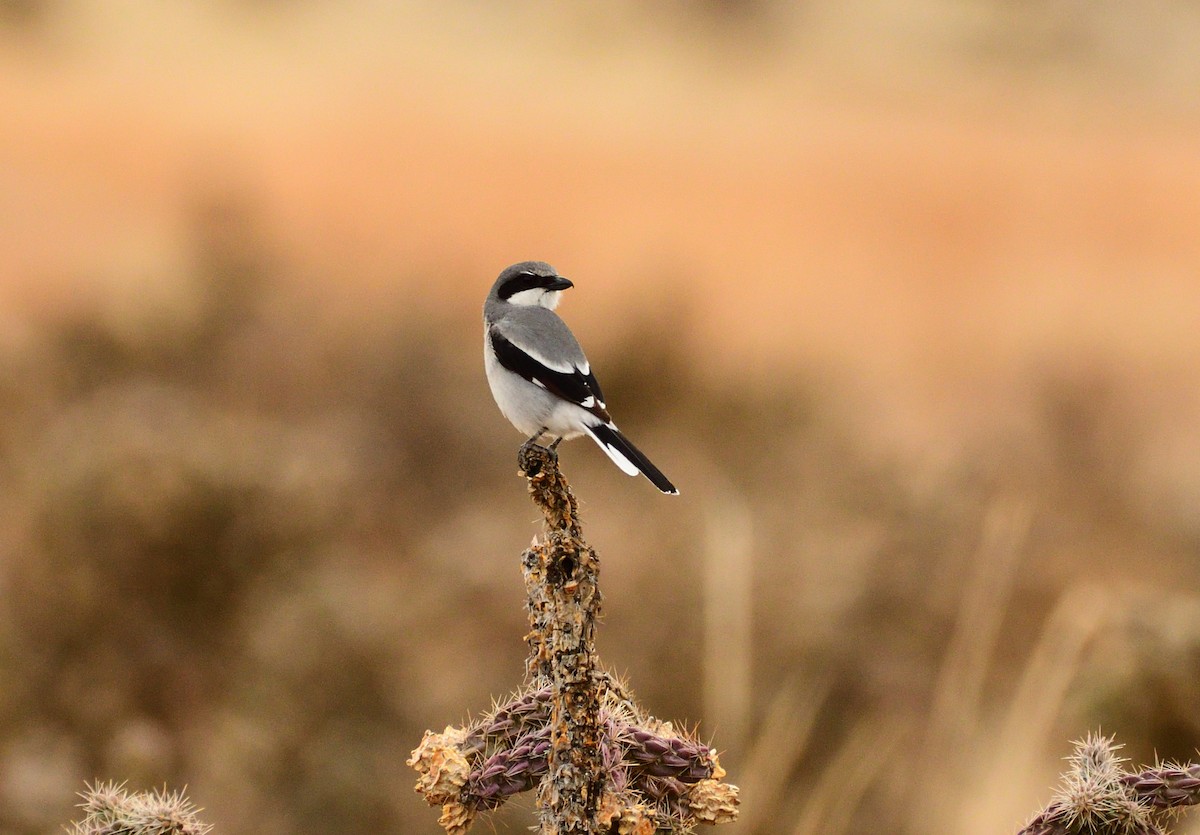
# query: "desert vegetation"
{"points": [[905, 304]]}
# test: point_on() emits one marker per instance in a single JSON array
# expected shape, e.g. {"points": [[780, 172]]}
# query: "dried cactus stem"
{"points": [[562, 583], [599, 761], [549, 489]]}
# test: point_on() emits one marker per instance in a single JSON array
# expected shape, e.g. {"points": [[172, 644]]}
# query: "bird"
{"points": [[539, 375]]}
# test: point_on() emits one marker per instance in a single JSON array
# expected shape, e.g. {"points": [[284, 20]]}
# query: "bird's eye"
{"points": [[519, 283]]}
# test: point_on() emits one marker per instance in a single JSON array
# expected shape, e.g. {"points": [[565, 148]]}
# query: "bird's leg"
{"points": [[534, 437], [533, 441], [532, 456], [554, 446]]}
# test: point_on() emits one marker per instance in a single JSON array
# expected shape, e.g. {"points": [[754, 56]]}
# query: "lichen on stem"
{"points": [[562, 584]]}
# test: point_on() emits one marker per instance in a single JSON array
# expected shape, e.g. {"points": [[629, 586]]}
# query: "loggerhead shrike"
{"points": [[539, 376]]}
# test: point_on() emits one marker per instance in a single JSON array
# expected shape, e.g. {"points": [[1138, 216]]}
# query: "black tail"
{"points": [[628, 457]]}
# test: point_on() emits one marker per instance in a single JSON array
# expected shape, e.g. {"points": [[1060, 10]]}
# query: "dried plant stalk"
{"points": [[599, 762], [562, 575]]}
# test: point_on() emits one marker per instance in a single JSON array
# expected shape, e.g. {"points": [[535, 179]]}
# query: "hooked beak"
{"points": [[559, 283]]}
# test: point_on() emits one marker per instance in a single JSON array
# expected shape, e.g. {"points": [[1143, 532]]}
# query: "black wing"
{"points": [[574, 386]]}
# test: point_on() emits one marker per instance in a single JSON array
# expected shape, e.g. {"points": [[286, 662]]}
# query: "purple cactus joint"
{"points": [[574, 734], [1098, 796]]}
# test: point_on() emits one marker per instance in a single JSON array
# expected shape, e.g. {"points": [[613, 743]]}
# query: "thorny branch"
{"points": [[1099, 797], [599, 762]]}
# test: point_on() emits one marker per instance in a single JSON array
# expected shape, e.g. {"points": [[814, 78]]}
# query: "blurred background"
{"points": [[902, 295]]}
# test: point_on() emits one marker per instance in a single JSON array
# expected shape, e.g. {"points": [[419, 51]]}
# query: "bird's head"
{"points": [[530, 283]]}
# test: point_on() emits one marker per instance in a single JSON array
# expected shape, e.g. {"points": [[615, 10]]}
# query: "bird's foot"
{"points": [[533, 458]]}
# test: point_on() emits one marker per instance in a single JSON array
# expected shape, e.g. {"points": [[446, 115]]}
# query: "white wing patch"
{"points": [[546, 362]]}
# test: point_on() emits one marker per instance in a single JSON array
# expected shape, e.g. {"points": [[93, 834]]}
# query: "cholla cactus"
{"points": [[1098, 797], [108, 809], [574, 733], [651, 772]]}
